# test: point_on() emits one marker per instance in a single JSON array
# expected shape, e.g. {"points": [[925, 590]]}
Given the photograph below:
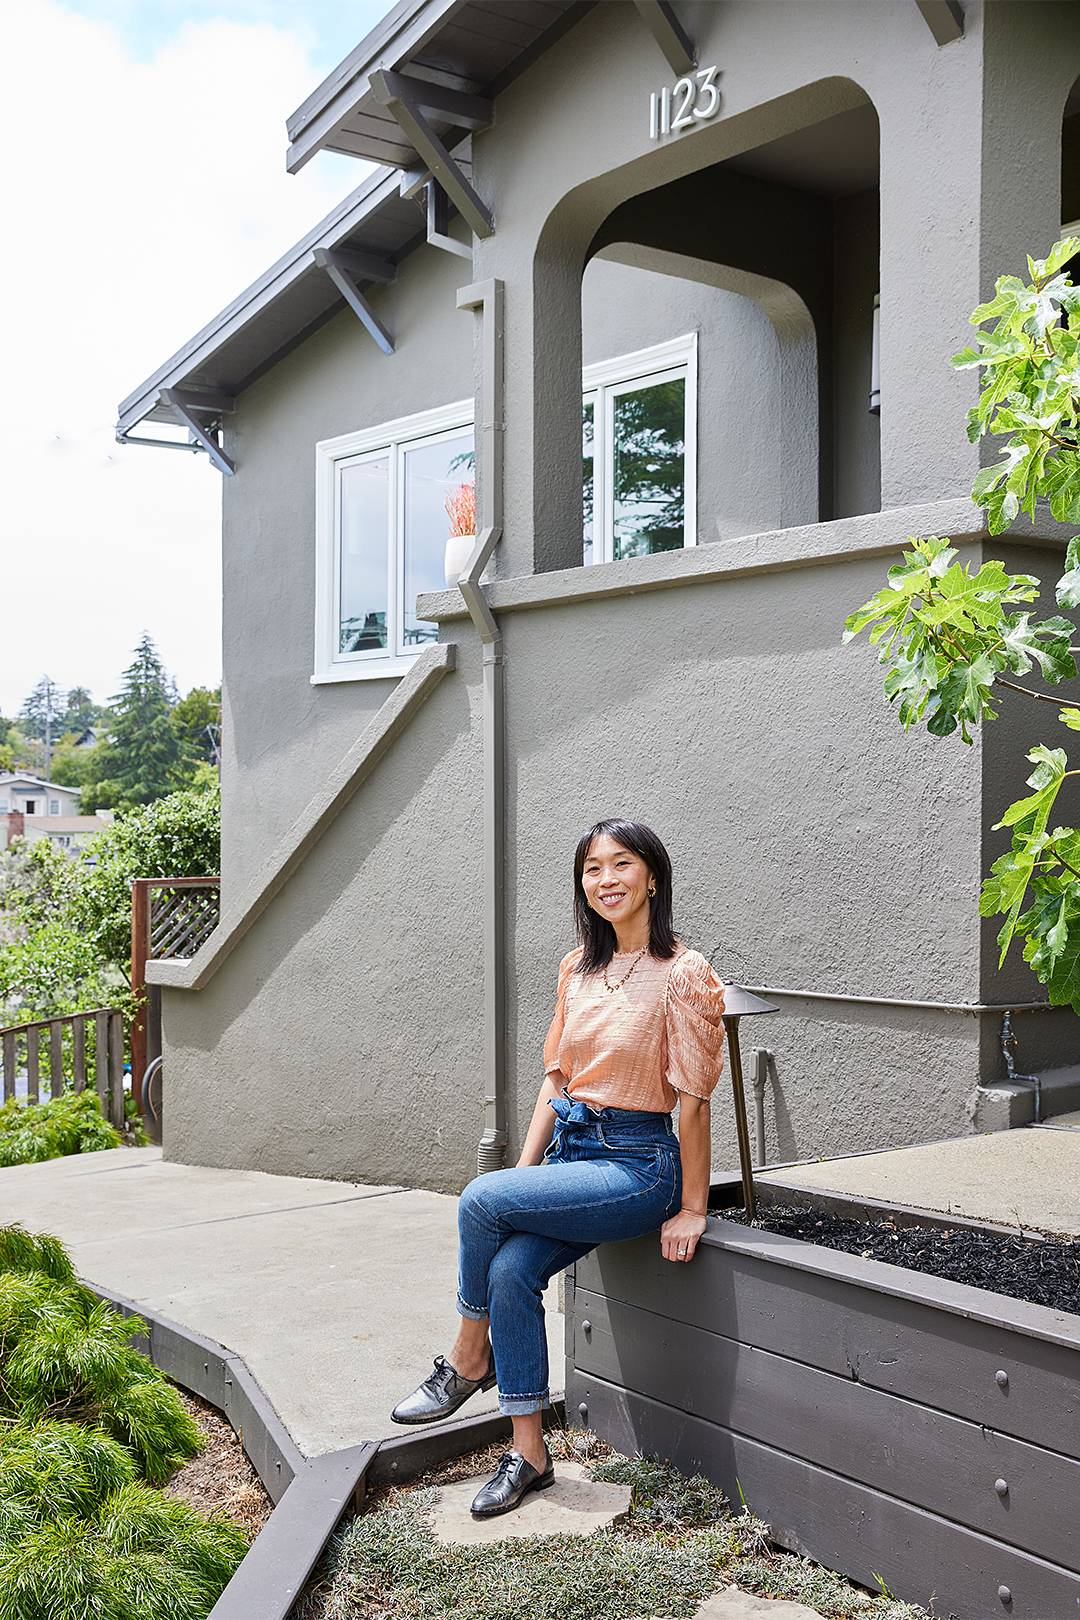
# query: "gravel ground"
{"points": [[220, 1479], [1041, 1271]]}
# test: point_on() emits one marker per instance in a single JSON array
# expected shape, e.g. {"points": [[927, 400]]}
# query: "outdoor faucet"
{"points": [[1008, 1042]]}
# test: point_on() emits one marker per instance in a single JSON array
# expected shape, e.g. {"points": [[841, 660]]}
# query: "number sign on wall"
{"points": [[689, 101]]}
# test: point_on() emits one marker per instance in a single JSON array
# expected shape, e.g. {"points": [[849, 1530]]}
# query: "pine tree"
{"points": [[142, 759], [42, 710]]}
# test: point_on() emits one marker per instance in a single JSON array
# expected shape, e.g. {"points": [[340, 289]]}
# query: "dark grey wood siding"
{"points": [[883, 1422]]}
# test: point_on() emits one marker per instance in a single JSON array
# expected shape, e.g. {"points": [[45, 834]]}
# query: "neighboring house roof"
{"points": [[16, 779], [66, 824], [478, 45], [471, 45]]}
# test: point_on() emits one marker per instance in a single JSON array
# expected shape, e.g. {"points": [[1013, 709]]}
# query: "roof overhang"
{"points": [[287, 303], [470, 46]]}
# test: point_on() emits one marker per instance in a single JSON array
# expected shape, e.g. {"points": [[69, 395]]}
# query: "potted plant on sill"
{"points": [[460, 505]]}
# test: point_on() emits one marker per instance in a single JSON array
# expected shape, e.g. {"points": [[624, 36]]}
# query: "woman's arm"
{"points": [[542, 1125], [682, 1231]]}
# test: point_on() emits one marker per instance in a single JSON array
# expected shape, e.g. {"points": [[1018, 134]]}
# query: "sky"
{"points": [[143, 187]]}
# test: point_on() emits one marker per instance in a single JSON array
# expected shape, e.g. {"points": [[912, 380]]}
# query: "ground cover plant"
{"points": [[88, 1429], [680, 1544], [1042, 1271]]}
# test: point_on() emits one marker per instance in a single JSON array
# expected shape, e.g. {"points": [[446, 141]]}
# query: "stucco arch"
{"points": [[796, 343], [574, 228]]}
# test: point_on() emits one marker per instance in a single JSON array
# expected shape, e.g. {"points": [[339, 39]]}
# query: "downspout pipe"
{"points": [[488, 298]]}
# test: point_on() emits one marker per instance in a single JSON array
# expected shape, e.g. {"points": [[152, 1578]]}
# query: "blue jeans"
{"points": [[609, 1174]]}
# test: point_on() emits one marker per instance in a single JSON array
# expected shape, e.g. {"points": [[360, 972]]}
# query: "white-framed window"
{"points": [[54, 807], [381, 528], [5, 806], [639, 452], [381, 524]]}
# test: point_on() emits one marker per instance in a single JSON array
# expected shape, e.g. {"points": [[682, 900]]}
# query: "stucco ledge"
{"points": [[813, 545]]}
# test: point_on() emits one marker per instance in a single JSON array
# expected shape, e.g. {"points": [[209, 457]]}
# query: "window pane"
{"points": [[649, 477], [365, 517], [432, 473], [588, 424]]}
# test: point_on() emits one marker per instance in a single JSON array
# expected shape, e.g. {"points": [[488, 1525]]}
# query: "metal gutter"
{"points": [[488, 298]]}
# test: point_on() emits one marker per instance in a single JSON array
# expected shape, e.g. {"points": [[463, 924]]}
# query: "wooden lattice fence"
{"points": [[170, 919]]}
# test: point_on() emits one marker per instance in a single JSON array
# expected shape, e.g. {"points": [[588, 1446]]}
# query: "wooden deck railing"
{"points": [[81, 1047], [170, 919]]}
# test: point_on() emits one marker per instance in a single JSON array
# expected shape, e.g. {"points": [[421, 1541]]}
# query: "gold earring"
{"points": [[652, 891]]}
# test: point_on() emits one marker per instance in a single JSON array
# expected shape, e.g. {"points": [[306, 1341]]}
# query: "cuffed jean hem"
{"points": [[475, 1313], [522, 1405]]}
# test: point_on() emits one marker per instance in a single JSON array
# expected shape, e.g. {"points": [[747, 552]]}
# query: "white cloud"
{"points": [[138, 199]]}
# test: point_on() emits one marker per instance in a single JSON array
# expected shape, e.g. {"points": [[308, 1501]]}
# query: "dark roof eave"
{"points": [[255, 300]]}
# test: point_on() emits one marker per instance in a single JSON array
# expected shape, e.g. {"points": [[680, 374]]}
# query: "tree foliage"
{"points": [[65, 921], [1030, 391], [947, 637], [196, 720], [142, 757], [43, 710]]}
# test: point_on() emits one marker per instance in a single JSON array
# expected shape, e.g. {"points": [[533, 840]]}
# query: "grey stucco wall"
{"points": [[282, 736], [815, 847], [739, 398]]}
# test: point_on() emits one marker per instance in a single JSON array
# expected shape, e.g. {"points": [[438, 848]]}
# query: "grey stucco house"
{"points": [[650, 240]]}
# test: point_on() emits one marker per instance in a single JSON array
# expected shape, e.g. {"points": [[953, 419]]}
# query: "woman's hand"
{"points": [[679, 1235]]}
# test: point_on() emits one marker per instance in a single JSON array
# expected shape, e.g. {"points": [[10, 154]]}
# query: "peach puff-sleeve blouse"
{"points": [[658, 1034]]}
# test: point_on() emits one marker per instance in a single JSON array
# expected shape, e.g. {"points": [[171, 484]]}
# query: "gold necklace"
{"points": [[611, 988]]}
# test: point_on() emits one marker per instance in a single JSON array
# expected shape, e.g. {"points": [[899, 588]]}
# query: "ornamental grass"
{"points": [[88, 1426]]}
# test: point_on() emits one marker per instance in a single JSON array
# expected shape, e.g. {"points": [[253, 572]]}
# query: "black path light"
{"points": [[739, 1003]]}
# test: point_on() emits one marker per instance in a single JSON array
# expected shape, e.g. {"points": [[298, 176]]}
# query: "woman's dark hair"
{"points": [[595, 932]]}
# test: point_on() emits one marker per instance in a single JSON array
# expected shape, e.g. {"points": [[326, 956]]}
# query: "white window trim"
{"points": [[330, 665], [643, 364], [640, 367]]}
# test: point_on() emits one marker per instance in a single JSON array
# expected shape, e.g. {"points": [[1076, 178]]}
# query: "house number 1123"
{"points": [[691, 99]]}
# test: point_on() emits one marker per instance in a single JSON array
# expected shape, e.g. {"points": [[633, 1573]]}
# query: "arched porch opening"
{"points": [[770, 260]]}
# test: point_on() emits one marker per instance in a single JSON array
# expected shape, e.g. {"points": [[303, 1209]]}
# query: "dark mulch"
{"points": [[220, 1479], [1045, 1272]]}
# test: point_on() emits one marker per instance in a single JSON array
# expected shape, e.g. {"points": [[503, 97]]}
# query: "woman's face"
{"points": [[616, 882]]}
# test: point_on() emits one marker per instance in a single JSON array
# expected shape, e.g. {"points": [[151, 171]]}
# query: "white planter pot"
{"points": [[458, 551]]}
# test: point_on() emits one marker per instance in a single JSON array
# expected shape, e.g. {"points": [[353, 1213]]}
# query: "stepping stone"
{"points": [[575, 1505], [733, 1604]]}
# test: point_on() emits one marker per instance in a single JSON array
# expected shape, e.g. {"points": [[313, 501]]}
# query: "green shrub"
{"points": [[85, 1422], [65, 1354], [138, 1555], [73, 1123]]}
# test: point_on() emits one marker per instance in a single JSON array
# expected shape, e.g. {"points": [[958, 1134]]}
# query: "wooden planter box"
{"points": [[883, 1422]]}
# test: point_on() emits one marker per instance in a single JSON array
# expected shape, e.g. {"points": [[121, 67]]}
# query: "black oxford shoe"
{"points": [[441, 1394], [514, 1479]]}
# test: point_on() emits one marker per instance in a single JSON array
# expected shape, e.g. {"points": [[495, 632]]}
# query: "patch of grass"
{"points": [[679, 1545], [72, 1123]]}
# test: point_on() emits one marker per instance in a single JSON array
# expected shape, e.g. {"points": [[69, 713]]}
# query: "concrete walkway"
{"points": [[337, 1296], [1028, 1177]]}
